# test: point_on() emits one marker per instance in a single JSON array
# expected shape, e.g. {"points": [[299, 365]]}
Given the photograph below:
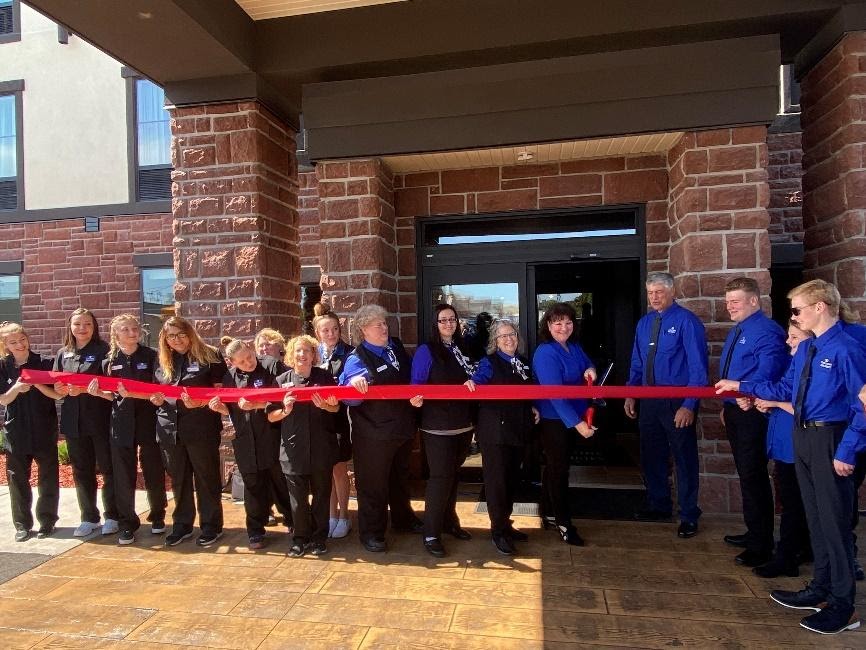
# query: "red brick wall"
{"points": [[785, 171], [66, 268], [308, 218]]}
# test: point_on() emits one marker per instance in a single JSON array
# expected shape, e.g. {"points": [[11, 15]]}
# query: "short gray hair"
{"points": [[495, 326], [660, 277], [366, 315]]}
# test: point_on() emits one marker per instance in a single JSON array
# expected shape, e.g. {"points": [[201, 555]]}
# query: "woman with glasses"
{"points": [[559, 360], [446, 426], [189, 432], [503, 431]]}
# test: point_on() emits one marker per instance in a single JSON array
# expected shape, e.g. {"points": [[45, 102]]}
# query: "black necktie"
{"points": [[730, 353], [805, 376], [651, 355]]}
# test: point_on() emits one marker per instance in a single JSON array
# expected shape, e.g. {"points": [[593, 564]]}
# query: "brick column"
{"points": [[358, 251], [717, 211], [235, 219], [834, 165]]}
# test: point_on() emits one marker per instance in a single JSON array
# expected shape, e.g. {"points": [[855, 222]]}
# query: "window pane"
{"points": [[154, 134], [8, 150], [10, 298], [478, 305], [157, 301]]}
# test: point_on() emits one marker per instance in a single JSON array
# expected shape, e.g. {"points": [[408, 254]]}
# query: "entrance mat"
{"points": [[586, 503]]}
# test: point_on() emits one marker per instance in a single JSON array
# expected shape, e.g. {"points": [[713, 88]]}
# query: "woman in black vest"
{"points": [[446, 426], [382, 430], [189, 433], [31, 434], [503, 431], [309, 445], [85, 422]]}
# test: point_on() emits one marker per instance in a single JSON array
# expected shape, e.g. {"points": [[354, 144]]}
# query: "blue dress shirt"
{"points": [[681, 358], [354, 367], [484, 372], [553, 365], [838, 374], [759, 353], [856, 331], [780, 434]]}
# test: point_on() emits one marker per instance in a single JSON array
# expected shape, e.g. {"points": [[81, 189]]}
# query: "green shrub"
{"points": [[2, 439], [63, 453]]}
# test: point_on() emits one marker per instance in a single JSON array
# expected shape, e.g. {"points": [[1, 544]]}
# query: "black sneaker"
{"points": [[173, 539], [21, 535], [317, 548], [569, 535], [297, 549], [832, 620], [45, 531], [803, 599], [504, 544], [157, 527], [208, 538], [126, 537]]}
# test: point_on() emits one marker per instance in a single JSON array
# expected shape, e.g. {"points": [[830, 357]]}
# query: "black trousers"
{"points": [[194, 467], [557, 441], [445, 455], [125, 461], [86, 453], [857, 477], [747, 433], [828, 500], [793, 528], [18, 468], [261, 490], [382, 480], [501, 466], [311, 521]]}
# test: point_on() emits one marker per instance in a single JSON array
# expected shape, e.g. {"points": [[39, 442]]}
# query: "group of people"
{"points": [[801, 404]]}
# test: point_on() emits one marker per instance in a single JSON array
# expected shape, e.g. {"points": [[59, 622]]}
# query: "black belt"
{"points": [[821, 423]]}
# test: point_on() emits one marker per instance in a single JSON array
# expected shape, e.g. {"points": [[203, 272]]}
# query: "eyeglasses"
{"points": [[795, 311], [175, 336], [446, 321], [507, 336]]}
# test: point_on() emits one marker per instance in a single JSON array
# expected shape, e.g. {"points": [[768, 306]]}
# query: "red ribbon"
{"points": [[429, 391]]}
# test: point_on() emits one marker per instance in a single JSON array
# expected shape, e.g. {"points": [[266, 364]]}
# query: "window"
{"points": [[8, 152], [790, 90], [152, 142], [10, 298], [10, 21], [157, 301]]}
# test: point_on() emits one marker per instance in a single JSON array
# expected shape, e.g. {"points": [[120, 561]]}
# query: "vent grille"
{"points": [[7, 19], [8, 194], [154, 184]]}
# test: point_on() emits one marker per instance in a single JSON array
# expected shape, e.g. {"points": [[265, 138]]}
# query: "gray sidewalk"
{"points": [[18, 557]]}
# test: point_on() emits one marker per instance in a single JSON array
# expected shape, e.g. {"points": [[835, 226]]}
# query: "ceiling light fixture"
{"points": [[524, 156]]}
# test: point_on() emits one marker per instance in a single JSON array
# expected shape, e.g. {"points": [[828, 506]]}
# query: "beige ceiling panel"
{"points": [[264, 9]]}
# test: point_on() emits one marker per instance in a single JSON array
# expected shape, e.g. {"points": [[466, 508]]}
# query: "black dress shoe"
{"points": [[687, 529], [434, 547], [517, 535], [752, 558], [459, 533], [374, 545], [803, 599], [503, 544], [570, 536], [776, 567], [737, 540], [651, 515]]}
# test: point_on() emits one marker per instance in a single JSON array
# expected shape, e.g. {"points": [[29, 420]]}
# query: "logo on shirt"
{"points": [[742, 341], [258, 383], [90, 358], [826, 364], [672, 330], [193, 367], [141, 365]]}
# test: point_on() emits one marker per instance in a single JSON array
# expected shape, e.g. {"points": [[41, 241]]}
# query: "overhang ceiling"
{"points": [[534, 154], [264, 9]]}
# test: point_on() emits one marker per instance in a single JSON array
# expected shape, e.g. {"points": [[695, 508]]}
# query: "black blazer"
{"points": [[505, 422]]}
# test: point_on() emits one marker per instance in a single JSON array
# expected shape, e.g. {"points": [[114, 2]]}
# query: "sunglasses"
{"points": [[795, 311]]}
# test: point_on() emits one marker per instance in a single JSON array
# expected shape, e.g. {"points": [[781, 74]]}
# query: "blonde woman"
{"points": [[269, 343], [333, 353], [31, 434], [133, 428]]}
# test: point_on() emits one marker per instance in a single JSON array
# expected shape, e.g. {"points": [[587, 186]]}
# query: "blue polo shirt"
{"points": [[759, 352], [553, 365], [484, 372], [354, 367], [856, 331], [681, 358], [838, 374]]}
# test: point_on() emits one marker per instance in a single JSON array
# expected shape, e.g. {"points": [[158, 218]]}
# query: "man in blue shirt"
{"points": [[829, 431], [754, 350], [670, 349]]}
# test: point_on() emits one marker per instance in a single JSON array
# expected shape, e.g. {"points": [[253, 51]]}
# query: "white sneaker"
{"points": [[85, 528], [110, 527], [342, 528], [332, 524]]}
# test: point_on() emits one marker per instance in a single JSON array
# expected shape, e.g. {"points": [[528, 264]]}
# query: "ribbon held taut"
{"points": [[429, 391]]}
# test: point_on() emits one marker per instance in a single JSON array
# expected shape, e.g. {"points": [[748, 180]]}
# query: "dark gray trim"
{"points": [[11, 268], [126, 72], [311, 274], [786, 254], [848, 18], [12, 86], [131, 138], [786, 123], [62, 35], [82, 211], [15, 35], [152, 260]]}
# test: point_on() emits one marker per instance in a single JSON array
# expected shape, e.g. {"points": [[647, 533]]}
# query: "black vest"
{"points": [[384, 419], [446, 415], [505, 422]]}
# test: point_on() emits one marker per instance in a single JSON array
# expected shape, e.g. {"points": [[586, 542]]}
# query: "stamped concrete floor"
{"points": [[633, 586]]}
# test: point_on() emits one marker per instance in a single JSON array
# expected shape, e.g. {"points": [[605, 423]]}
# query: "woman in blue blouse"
{"points": [[559, 360], [446, 426], [794, 546]]}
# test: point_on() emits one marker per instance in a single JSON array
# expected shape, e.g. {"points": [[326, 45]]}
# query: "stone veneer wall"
{"points": [[785, 172]]}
